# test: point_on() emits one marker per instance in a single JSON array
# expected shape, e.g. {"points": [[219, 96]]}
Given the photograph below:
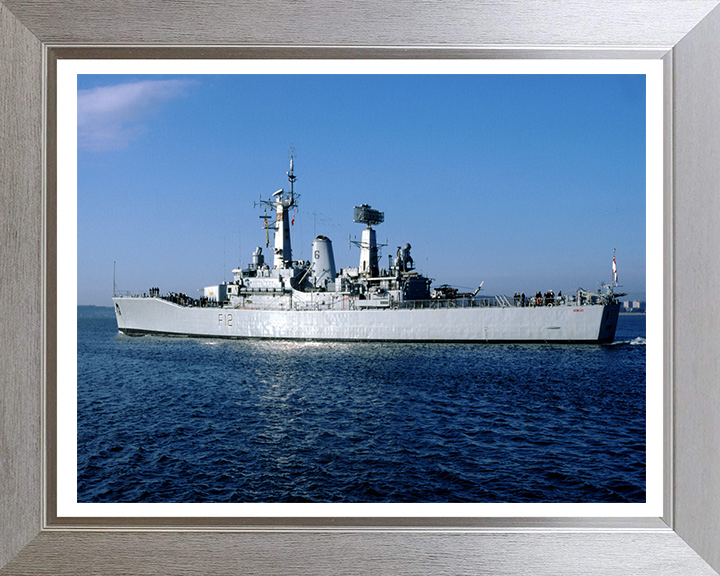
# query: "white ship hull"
{"points": [[590, 323]]}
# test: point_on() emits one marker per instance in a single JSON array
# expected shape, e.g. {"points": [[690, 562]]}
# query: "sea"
{"points": [[183, 420]]}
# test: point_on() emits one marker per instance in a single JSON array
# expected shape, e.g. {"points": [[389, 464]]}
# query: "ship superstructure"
{"points": [[285, 298]]}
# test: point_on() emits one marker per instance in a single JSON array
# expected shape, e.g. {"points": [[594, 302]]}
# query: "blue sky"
{"points": [[525, 182]]}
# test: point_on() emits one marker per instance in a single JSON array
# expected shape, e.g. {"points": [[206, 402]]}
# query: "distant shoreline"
{"points": [[89, 311]]}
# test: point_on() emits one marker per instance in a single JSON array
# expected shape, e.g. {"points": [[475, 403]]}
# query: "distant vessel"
{"points": [[311, 300]]}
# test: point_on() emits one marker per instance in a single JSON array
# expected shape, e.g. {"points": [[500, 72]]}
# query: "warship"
{"points": [[310, 300]]}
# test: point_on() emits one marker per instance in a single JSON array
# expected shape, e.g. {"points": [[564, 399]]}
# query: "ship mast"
{"points": [[282, 201], [291, 177], [364, 214]]}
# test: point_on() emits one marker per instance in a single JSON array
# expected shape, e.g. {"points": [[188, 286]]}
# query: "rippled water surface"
{"points": [[196, 420]]}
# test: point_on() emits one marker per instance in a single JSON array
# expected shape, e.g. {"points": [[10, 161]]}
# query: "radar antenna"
{"points": [[364, 214]]}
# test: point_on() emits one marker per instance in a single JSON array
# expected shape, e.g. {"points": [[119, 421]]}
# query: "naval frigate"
{"points": [[311, 300]]}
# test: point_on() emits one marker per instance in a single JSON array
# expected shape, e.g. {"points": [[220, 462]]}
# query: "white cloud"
{"points": [[109, 117]]}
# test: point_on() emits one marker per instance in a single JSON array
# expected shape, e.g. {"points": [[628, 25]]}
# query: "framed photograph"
{"points": [[385, 372], [664, 523]]}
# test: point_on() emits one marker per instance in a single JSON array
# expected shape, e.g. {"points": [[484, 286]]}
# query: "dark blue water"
{"points": [[195, 420]]}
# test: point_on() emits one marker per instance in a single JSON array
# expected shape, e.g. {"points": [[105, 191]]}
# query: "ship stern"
{"points": [[608, 323]]}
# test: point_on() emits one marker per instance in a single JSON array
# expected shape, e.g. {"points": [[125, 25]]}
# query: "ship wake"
{"points": [[639, 341]]}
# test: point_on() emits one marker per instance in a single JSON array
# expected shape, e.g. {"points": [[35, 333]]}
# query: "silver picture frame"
{"points": [[684, 34]]}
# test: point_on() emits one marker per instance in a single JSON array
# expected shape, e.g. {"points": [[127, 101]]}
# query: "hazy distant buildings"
{"points": [[637, 306]]}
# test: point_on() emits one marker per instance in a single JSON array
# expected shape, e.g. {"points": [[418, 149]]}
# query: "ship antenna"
{"points": [[291, 174]]}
